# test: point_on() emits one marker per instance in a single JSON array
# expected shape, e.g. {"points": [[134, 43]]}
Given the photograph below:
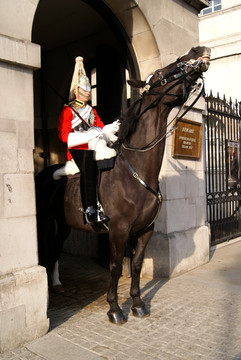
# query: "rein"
{"points": [[158, 139], [179, 73]]}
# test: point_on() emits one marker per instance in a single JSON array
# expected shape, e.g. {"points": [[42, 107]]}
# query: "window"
{"points": [[214, 5], [128, 88], [94, 79]]}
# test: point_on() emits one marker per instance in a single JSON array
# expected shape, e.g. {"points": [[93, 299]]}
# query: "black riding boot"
{"points": [[88, 186]]}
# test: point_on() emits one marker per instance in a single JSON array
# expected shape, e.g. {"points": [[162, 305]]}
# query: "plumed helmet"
{"points": [[79, 78]]}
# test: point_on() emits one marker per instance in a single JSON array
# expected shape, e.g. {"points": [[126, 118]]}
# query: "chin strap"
{"points": [[78, 102]]}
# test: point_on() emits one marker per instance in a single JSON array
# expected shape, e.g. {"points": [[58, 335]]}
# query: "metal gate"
{"points": [[223, 189]]}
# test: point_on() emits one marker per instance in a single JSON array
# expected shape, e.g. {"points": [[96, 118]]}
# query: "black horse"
{"points": [[128, 192]]}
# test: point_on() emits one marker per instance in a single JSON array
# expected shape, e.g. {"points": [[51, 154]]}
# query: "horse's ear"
{"points": [[136, 83]]}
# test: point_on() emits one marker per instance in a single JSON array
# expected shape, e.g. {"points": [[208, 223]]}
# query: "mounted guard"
{"points": [[129, 190]]}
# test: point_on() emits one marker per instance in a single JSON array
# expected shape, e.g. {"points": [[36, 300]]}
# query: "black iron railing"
{"points": [[223, 188]]}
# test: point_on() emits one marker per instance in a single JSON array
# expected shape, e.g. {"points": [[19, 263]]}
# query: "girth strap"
{"points": [[157, 194]]}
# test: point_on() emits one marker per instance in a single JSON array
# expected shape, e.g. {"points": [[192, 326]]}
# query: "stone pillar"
{"points": [[181, 238], [23, 284]]}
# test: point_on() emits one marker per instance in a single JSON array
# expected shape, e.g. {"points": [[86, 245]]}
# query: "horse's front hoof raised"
{"points": [[140, 311], [116, 318]]}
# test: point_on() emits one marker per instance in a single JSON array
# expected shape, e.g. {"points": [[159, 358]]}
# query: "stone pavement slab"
{"points": [[53, 347], [194, 316]]}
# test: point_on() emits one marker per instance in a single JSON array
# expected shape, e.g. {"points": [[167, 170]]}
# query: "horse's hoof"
{"points": [[140, 311], [116, 318], [57, 289]]}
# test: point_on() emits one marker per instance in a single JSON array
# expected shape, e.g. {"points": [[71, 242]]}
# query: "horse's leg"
{"points": [[138, 308], [56, 285], [117, 249], [55, 275]]}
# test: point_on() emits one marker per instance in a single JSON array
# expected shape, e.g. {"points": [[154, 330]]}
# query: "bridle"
{"points": [[180, 74]]}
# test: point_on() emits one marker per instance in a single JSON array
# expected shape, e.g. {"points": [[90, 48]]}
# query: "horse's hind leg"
{"points": [[56, 285], [62, 231], [117, 249], [138, 308]]}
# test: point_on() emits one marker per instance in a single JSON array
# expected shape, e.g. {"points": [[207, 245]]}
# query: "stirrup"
{"points": [[100, 213], [95, 216], [90, 215], [101, 218]]}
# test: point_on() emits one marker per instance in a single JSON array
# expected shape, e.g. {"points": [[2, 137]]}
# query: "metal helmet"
{"points": [[79, 78]]}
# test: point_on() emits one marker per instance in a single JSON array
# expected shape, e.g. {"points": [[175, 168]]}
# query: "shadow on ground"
{"points": [[86, 284]]}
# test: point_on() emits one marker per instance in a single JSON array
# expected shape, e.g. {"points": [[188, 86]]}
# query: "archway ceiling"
{"points": [[61, 20]]}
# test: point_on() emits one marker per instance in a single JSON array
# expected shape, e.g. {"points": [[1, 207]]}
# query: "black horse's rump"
{"points": [[130, 207]]}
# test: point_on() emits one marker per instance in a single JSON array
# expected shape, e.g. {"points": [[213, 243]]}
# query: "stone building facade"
{"points": [[38, 43], [221, 31]]}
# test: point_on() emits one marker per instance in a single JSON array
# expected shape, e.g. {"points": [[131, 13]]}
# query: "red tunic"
{"points": [[64, 128]]}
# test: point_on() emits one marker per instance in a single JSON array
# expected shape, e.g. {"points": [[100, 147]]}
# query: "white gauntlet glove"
{"points": [[110, 129], [80, 138]]}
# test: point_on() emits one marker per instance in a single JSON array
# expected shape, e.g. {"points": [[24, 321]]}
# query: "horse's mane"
{"points": [[129, 121]]}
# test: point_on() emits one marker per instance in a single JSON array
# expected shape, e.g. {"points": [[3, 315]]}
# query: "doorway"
{"points": [[66, 30]]}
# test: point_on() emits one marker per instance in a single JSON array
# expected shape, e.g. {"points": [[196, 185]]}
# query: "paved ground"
{"points": [[195, 316]]}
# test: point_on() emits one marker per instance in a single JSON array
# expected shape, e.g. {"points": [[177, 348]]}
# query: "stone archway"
{"points": [[105, 35], [139, 33]]}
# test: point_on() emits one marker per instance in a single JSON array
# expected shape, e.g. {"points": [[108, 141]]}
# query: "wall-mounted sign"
{"points": [[187, 140]]}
